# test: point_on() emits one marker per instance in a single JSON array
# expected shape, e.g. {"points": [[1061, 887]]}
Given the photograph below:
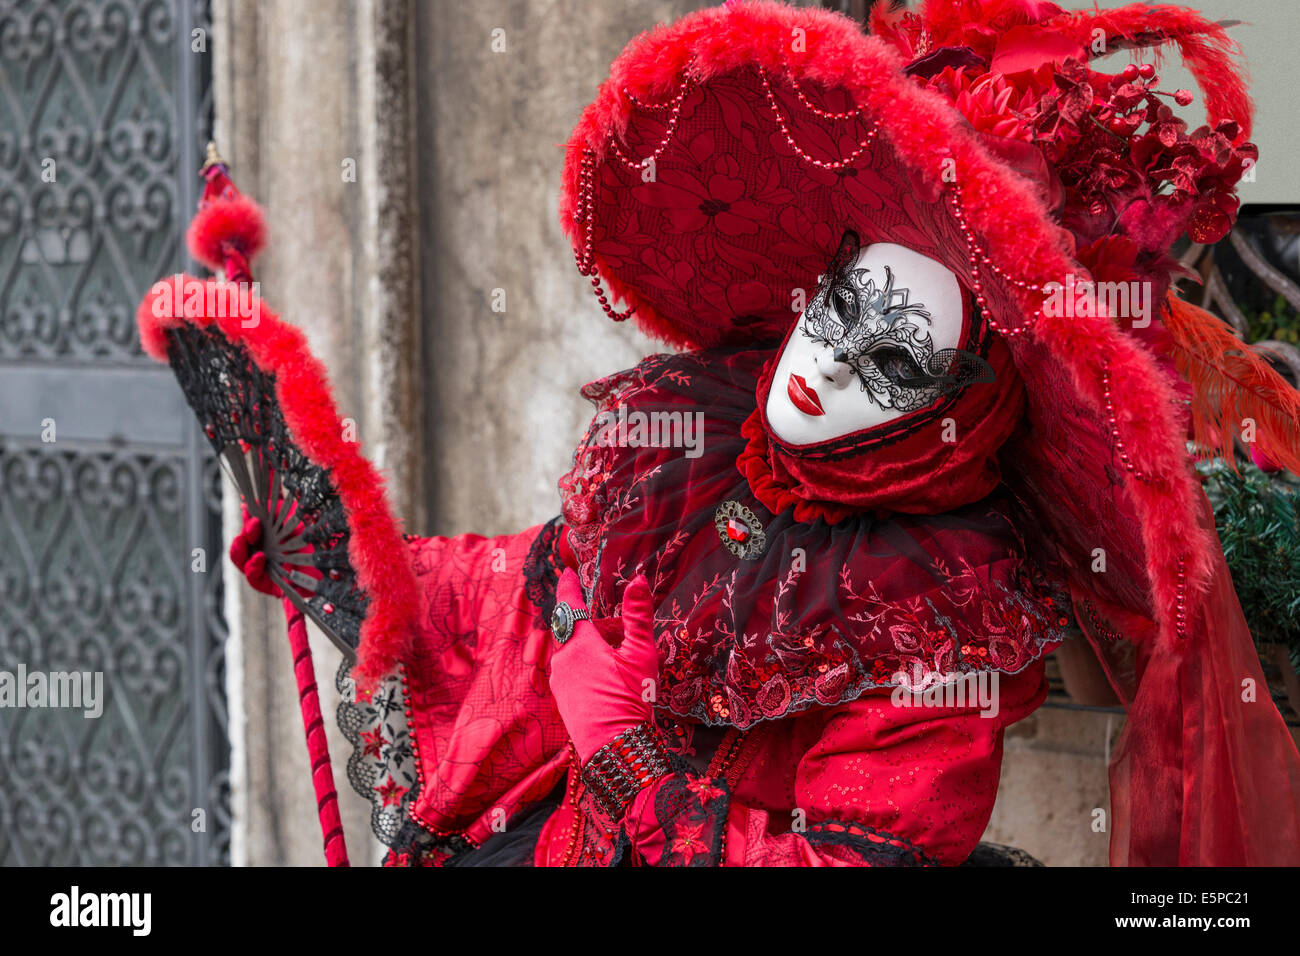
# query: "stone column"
{"points": [[511, 330], [313, 113]]}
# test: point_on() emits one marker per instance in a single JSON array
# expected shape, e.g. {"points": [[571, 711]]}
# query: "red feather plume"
{"points": [[1208, 52], [1232, 383]]}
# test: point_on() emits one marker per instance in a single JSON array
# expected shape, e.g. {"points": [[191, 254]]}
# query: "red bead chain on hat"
{"points": [[837, 164], [586, 210], [977, 254], [1120, 449]]}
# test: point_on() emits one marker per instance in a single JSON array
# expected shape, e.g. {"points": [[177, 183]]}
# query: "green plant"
{"points": [[1258, 520], [1278, 322]]}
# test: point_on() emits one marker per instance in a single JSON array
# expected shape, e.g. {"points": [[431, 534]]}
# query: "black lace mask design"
{"points": [[876, 330]]}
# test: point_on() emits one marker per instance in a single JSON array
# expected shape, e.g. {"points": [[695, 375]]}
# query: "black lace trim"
{"points": [[542, 570], [382, 770], [427, 851], [516, 845], [887, 849], [998, 854]]}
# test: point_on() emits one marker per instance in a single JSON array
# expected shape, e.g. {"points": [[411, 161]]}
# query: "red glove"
{"points": [[600, 690], [247, 554], [564, 547]]}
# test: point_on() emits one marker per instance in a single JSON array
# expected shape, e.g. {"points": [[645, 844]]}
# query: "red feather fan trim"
{"points": [[375, 548]]}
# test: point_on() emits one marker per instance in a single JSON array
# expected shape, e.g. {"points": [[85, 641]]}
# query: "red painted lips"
{"points": [[804, 396]]}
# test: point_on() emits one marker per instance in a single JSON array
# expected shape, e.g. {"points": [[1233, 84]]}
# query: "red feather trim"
{"points": [[1232, 384]]}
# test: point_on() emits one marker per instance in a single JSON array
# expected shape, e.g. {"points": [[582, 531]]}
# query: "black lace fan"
{"points": [[305, 529], [331, 542]]}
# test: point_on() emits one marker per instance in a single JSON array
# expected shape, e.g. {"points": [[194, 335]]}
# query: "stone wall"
{"points": [[502, 412], [1054, 786]]}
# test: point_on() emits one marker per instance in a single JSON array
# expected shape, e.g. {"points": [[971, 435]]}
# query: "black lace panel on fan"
{"points": [[305, 530]]}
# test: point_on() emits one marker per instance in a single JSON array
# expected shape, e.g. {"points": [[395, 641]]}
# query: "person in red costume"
{"points": [[818, 760], [807, 568]]}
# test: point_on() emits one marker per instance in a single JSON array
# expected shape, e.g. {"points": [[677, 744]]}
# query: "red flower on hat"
{"points": [[666, 269], [725, 301], [989, 101], [809, 237]]}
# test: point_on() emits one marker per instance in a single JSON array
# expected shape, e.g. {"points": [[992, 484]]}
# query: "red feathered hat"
{"points": [[721, 162]]}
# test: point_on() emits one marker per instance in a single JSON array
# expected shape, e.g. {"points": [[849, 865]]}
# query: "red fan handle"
{"points": [[322, 774]]}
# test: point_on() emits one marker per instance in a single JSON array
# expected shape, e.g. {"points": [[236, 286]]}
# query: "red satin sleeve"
{"points": [[885, 785]]}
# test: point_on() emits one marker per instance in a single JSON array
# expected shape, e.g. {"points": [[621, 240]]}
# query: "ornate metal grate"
{"points": [[106, 486]]}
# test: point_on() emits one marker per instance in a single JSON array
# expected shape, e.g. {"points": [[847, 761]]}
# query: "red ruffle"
{"points": [[754, 463]]}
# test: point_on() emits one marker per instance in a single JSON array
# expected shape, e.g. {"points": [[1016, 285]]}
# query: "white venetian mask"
{"points": [[880, 339]]}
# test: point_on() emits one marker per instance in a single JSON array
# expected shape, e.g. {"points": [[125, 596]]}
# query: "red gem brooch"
{"points": [[740, 530]]}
